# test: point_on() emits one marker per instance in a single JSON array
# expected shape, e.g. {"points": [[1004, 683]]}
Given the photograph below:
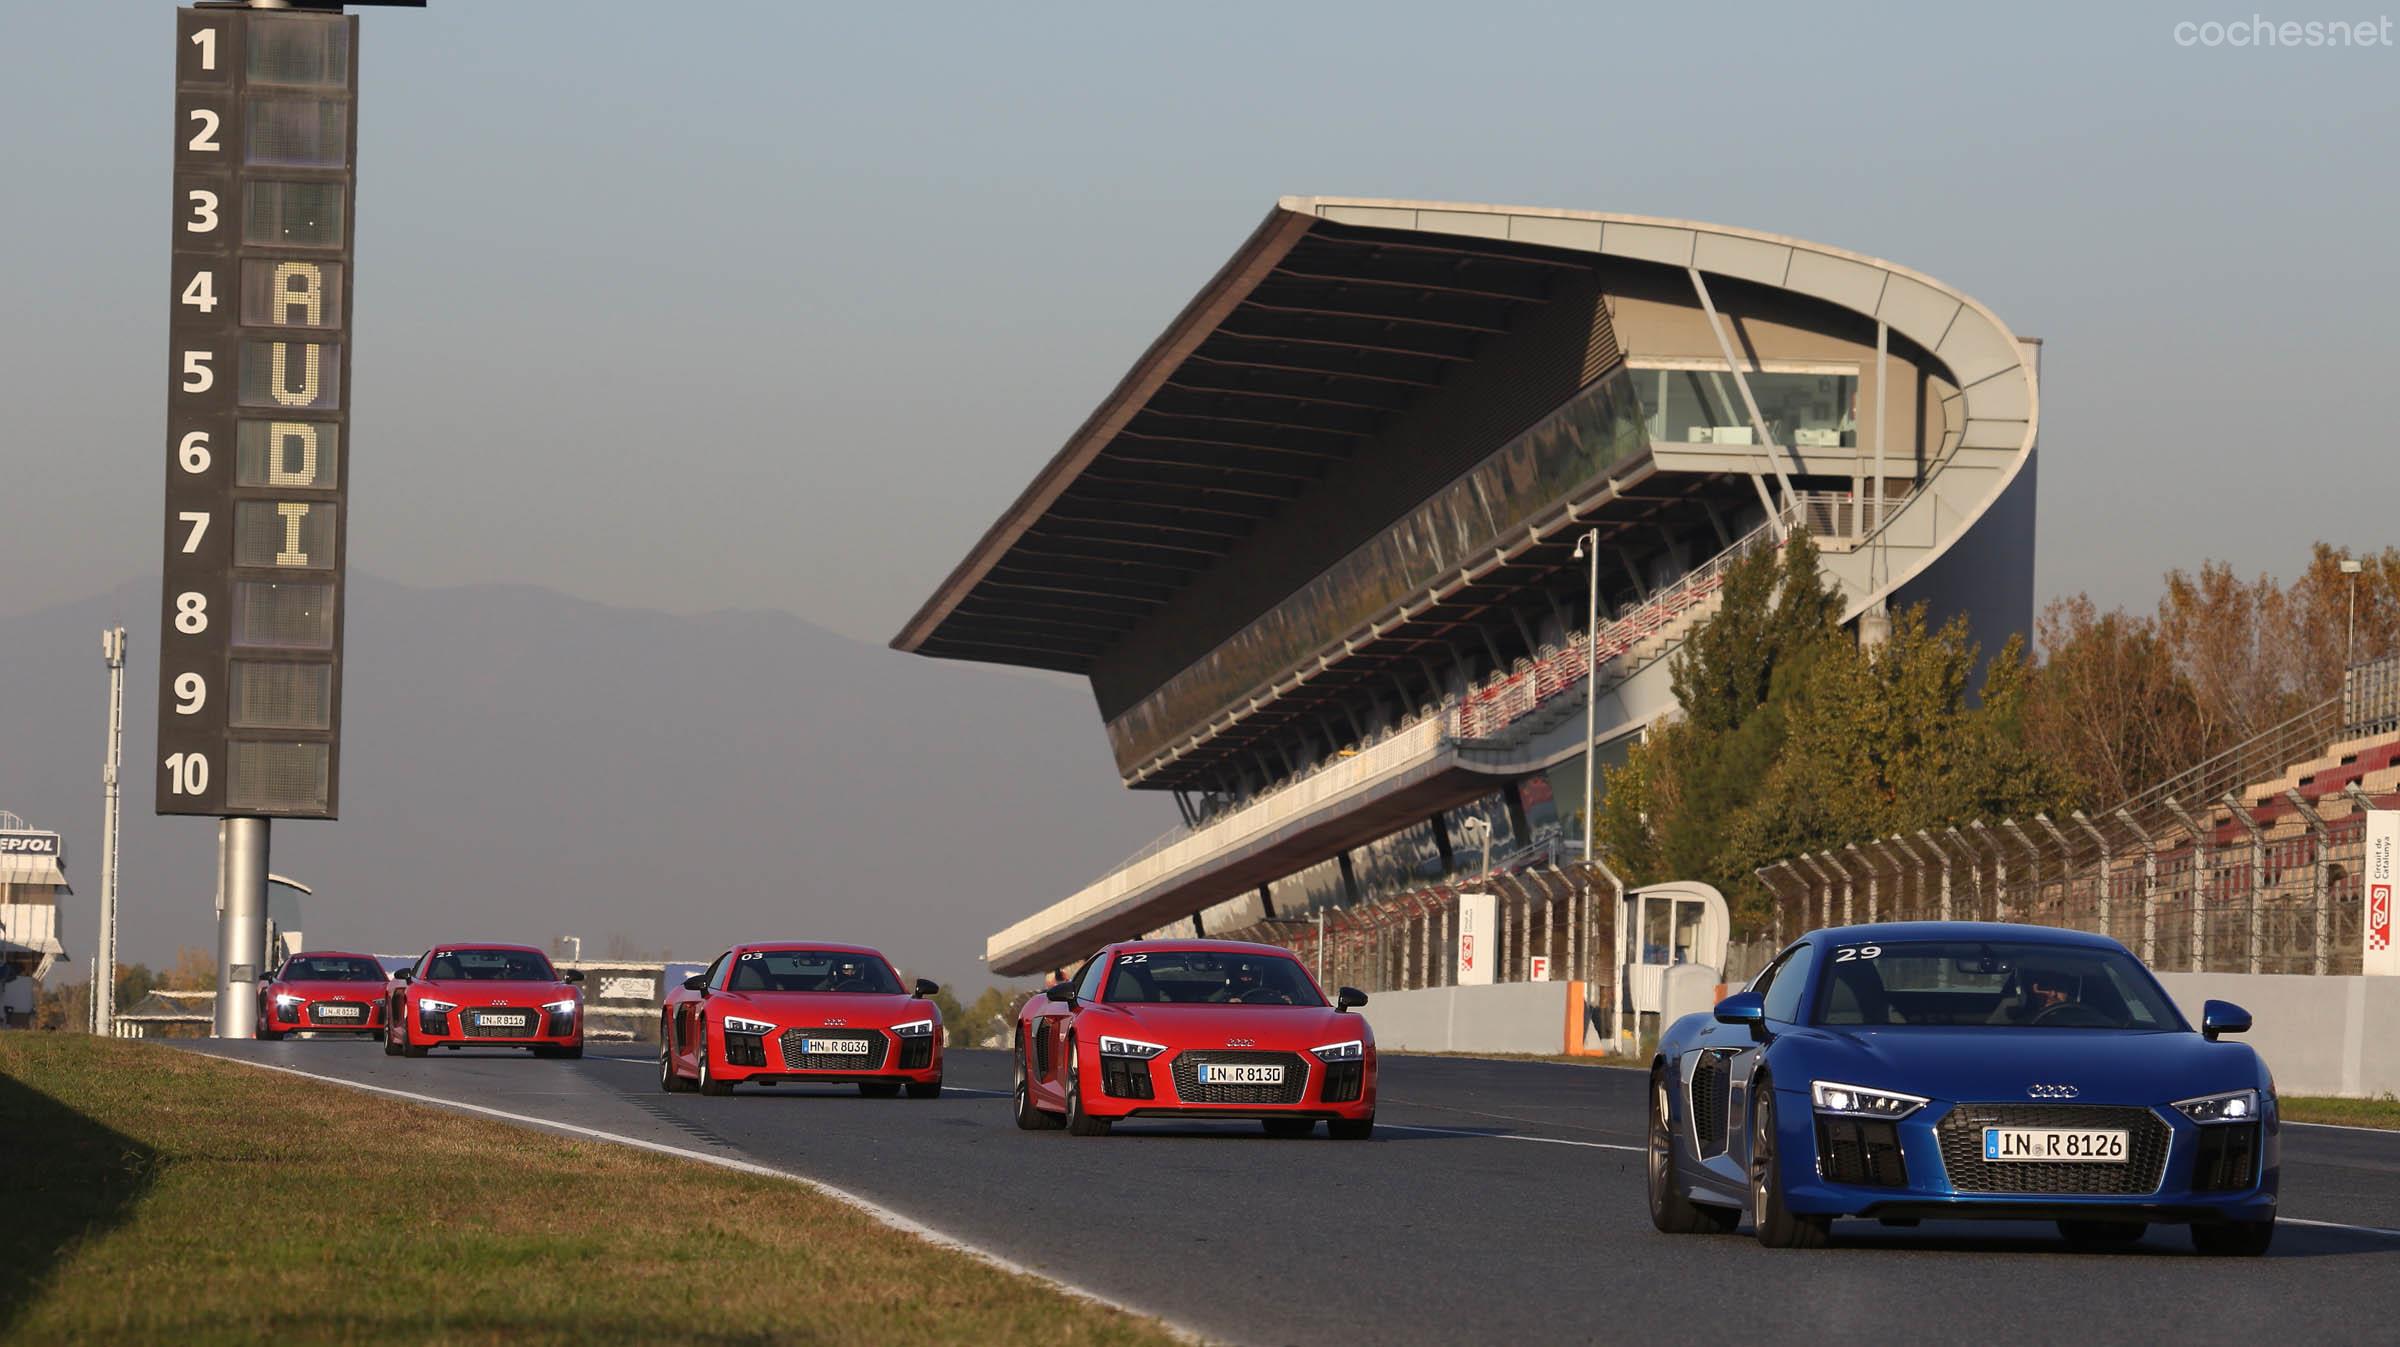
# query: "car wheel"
{"points": [[1777, 1228], [408, 1047], [924, 1089], [709, 1084], [270, 1036], [1350, 1129], [1670, 1210], [376, 1034], [879, 1089], [2100, 1234], [670, 1080], [1289, 1129], [2234, 1239], [1029, 1118], [1080, 1123], [391, 1038]]}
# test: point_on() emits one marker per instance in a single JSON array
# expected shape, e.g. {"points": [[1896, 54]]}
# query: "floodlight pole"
{"points": [[242, 925], [104, 956], [1590, 542]]}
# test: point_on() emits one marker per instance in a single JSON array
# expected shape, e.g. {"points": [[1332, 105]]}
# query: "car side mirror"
{"points": [[1349, 998], [697, 982], [2223, 1017], [926, 987], [1061, 992], [1748, 1008], [574, 975], [404, 976]]}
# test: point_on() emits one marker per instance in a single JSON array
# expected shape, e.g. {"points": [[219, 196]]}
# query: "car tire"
{"points": [[924, 1089], [1670, 1210], [708, 1084], [391, 1040], [573, 1052], [1350, 1129], [1289, 1129], [270, 1036], [2102, 1234], [1776, 1226], [670, 1080], [2234, 1239], [1080, 1123], [879, 1089], [376, 1034], [1029, 1118]]}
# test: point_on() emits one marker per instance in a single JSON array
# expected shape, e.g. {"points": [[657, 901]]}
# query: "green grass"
{"points": [[161, 1196], [2381, 1111]]}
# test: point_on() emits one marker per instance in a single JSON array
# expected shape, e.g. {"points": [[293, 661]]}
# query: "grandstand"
{"points": [[1316, 553]]}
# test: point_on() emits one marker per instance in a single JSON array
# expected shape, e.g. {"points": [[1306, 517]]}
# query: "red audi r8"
{"points": [[1195, 1029], [322, 992], [484, 996], [801, 1013]]}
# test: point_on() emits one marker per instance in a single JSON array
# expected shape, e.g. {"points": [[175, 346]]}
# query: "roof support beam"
{"points": [[1758, 423]]}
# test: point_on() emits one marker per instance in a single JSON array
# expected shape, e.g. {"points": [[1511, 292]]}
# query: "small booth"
{"points": [[1671, 942]]}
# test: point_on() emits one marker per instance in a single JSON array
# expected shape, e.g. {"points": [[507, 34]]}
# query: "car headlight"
{"points": [[1857, 1101], [285, 1000], [565, 1007], [1352, 1051], [2231, 1106], [914, 1029], [1112, 1046], [437, 1007], [735, 1024]]}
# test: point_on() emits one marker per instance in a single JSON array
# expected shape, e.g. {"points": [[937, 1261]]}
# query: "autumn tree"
{"points": [[2108, 703]]}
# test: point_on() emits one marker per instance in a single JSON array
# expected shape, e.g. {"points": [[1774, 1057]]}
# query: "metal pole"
{"points": [[1616, 923], [1981, 834], [242, 927], [2203, 860], [2322, 843], [1320, 947], [1883, 401], [1591, 693], [1874, 883], [2149, 886], [104, 970], [2258, 874], [2105, 897]]}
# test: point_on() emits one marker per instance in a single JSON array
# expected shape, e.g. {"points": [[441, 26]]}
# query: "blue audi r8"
{"points": [[1916, 1071]]}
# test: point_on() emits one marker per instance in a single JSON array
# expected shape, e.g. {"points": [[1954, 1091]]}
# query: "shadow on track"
{"points": [[68, 1179], [2161, 1241]]}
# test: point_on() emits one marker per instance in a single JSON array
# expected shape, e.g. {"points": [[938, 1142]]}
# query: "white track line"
{"points": [[1509, 1136], [2337, 1225], [882, 1214]]}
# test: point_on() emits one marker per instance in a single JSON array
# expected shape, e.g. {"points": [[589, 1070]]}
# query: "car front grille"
{"points": [[473, 1026], [796, 1060], [2146, 1143], [1710, 1091], [916, 1054], [1125, 1078], [1862, 1151], [317, 1015], [1344, 1082], [1189, 1089], [2226, 1160]]}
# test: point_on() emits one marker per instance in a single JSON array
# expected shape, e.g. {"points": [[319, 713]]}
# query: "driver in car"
{"points": [[1239, 983], [2040, 990]]}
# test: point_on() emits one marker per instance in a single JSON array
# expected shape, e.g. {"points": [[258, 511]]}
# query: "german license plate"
{"points": [[337, 1012], [513, 1020], [1226, 1073], [2051, 1145], [835, 1047]]}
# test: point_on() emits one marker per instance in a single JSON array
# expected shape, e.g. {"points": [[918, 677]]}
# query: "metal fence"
{"points": [[2245, 863]]}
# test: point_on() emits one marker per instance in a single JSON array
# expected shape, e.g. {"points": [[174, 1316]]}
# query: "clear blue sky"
{"points": [[776, 305]]}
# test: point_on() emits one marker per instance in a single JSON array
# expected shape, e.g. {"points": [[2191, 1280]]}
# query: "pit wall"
{"points": [[2319, 1035], [1526, 1017]]}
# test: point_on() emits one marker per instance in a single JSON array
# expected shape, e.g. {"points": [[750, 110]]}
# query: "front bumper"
{"points": [[777, 1056], [2184, 1190], [1168, 1086], [463, 1028]]}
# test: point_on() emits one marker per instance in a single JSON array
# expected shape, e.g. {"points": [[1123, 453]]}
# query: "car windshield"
{"points": [[490, 965], [1203, 977], [336, 968], [1990, 982], [812, 970]]}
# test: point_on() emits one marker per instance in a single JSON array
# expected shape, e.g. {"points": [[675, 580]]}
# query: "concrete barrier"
{"points": [[1506, 1017], [2319, 1035]]}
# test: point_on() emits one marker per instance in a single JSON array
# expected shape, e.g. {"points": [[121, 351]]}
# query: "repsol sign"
{"points": [[28, 844]]}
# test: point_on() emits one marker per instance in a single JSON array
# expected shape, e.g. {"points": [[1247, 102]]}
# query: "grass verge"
{"points": [[2382, 1111], [160, 1196]]}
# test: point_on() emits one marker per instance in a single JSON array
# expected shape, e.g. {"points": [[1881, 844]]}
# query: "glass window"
{"points": [[812, 970], [1789, 984], [1087, 980], [1704, 406], [491, 965], [1207, 977], [2002, 983], [335, 968]]}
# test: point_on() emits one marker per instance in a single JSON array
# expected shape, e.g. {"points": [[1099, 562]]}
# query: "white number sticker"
{"points": [[1849, 953], [754, 954], [191, 693], [187, 773], [191, 613], [197, 376], [198, 519], [193, 452], [206, 137], [204, 212]]}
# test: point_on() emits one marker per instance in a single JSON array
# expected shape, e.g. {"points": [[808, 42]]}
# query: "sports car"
{"points": [[1195, 1029], [1915, 1071], [801, 1013], [320, 992], [484, 996]]}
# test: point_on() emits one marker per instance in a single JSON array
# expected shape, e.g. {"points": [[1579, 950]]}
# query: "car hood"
{"points": [[808, 1010], [1268, 1028], [477, 991], [1994, 1063], [332, 991]]}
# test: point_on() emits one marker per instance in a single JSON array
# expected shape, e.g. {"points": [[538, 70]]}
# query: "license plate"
{"points": [[337, 1012], [839, 1047], [2050, 1145], [1222, 1073], [503, 1021]]}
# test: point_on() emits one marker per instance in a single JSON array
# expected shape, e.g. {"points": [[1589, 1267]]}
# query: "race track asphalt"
{"points": [[1498, 1202]]}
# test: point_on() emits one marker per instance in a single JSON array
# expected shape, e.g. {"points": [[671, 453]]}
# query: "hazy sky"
{"points": [[776, 305]]}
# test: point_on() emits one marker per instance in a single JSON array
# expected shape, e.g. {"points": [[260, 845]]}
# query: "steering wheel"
{"points": [[1259, 995], [2065, 1011]]}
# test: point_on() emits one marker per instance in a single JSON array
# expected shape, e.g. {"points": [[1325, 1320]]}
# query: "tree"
{"points": [[2108, 703], [195, 970]]}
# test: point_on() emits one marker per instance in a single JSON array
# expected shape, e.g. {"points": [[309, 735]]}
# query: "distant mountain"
{"points": [[518, 764]]}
